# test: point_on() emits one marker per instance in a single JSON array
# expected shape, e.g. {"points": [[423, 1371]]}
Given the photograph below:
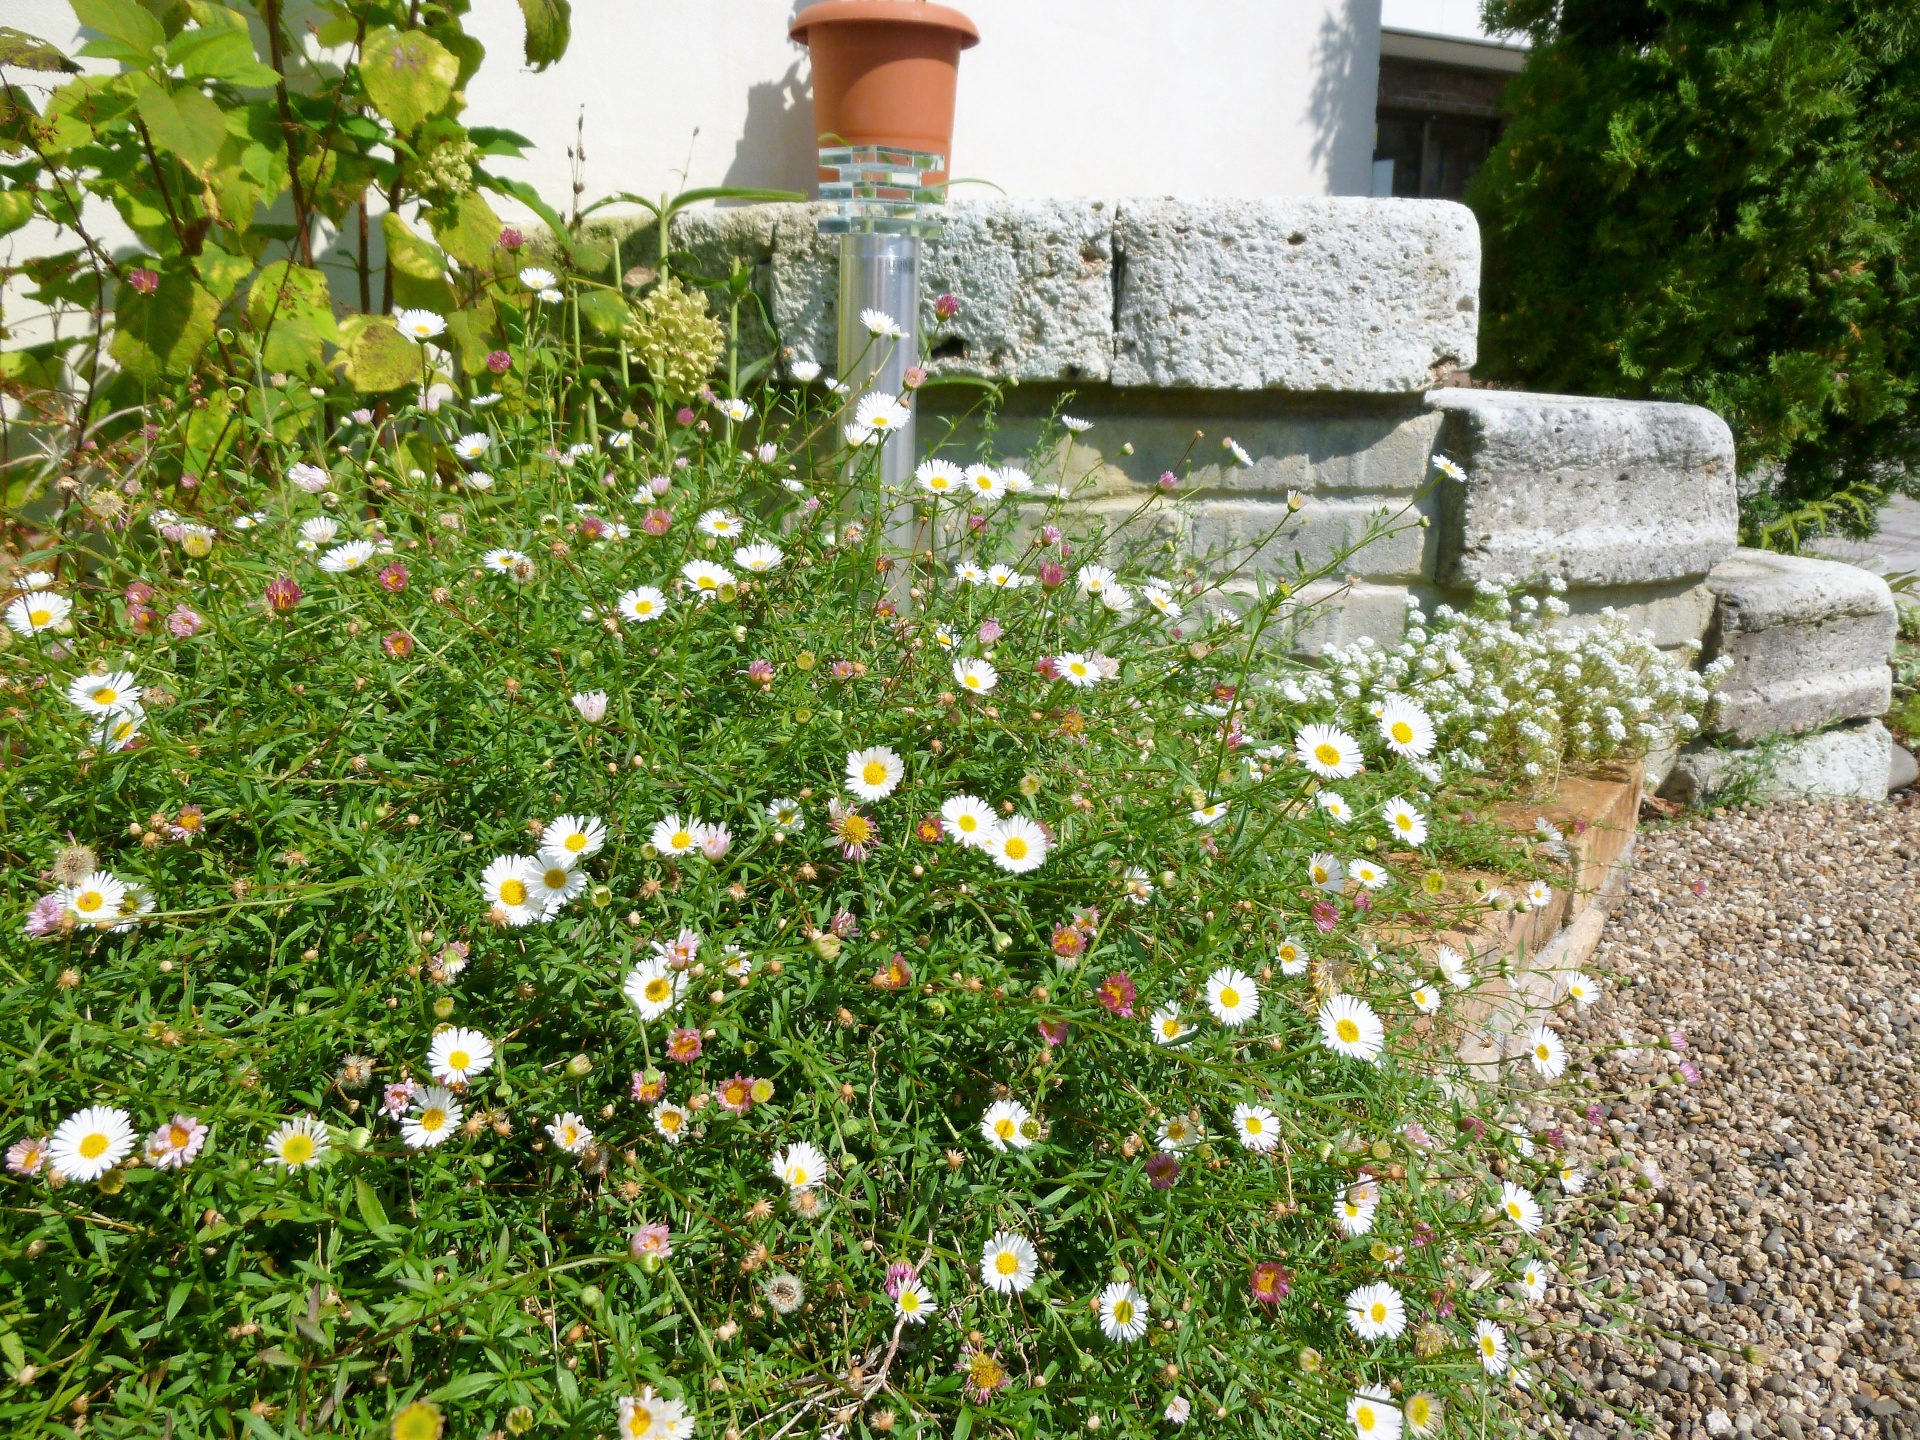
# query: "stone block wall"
{"points": [[1319, 335]]}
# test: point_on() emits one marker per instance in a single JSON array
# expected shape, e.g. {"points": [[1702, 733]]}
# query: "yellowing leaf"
{"points": [[378, 356], [468, 230], [289, 307], [163, 333], [408, 75]]}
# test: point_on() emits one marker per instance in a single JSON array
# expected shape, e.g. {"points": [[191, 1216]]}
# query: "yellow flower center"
{"points": [[643, 607], [1513, 1209], [856, 830], [1006, 1262], [1402, 732], [297, 1149], [1405, 822], [1417, 1410], [1229, 997], [874, 773], [1016, 848], [38, 618], [1328, 755], [1379, 1313], [1170, 1028], [1254, 1125], [985, 1373], [670, 1120], [658, 989], [1123, 1312], [513, 892], [1486, 1345], [796, 1175], [1347, 1030], [432, 1118], [682, 840], [105, 695], [641, 1422], [1542, 1052], [94, 1146], [1004, 1128], [909, 1301], [1363, 1419], [178, 1136], [576, 842], [555, 878], [459, 1060], [968, 823], [89, 901], [707, 582]]}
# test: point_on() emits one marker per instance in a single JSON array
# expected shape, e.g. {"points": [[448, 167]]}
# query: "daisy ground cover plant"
{"points": [[628, 947]]}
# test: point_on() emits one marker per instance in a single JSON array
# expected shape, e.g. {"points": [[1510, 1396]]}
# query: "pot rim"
{"points": [[884, 12]]}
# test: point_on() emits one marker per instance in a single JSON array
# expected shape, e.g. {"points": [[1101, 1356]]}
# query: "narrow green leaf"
{"points": [[371, 1209]]}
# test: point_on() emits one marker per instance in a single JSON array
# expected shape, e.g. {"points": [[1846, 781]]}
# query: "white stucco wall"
{"points": [[1459, 19]]}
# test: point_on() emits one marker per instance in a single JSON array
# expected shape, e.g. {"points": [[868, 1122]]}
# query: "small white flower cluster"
{"points": [[1507, 686], [524, 889]]}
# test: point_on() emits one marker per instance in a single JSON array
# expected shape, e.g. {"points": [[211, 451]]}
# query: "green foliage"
{"points": [[387, 652], [1714, 203]]}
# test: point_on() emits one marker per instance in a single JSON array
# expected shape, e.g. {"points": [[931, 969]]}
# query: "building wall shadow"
{"points": [[776, 148]]}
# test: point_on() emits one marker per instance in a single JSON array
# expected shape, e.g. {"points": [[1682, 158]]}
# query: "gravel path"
{"points": [[1776, 1255]]}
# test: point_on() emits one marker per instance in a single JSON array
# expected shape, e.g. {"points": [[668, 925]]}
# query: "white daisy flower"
{"points": [[1336, 807], [570, 1132], [38, 610], [648, 1416], [1257, 1126], [875, 773], [1571, 1180], [800, 1166], [878, 322], [573, 837], [1367, 873], [984, 482], [1163, 601], [1349, 1027], [1453, 967], [1533, 1281], [1373, 1415], [880, 415], [508, 883], [1355, 1210], [1425, 999], [104, 694], [1539, 893], [1005, 577], [457, 1054], [707, 579], [641, 604], [1406, 728], [670, 1120], [90, 1142], [1210, 812], [1423, 1414], [1008, 1263], [1406, 824], [350, 556], [1077, 670], [736, 410], [436, 1115], [554, 881], [471, 446], [117, 731], [1178, 1133], [1232, 996], [977, 676], [299, 1143], [940, 478], [1123, 1313], [1376, 1312], [1016, 844], [805, 371], [968, 573], [759, 558], [1324, 871], [318, 531], [96, 899], [479, 480], [502, 561], [550, 297], [1330, 753], [721, 524], [1167, 1026], [674, 836], [419, 324], [1490, 1343], [1547, 1052], [1078, 427], [1139, 888], [655, 987], [1582, 989], [1448, 468], [968, 820], [538, 277], [1005, 1125], [913, 1303], [1519, 1207], [787, 814]]}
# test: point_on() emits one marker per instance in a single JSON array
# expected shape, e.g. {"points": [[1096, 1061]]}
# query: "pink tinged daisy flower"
{"points": [[899, 1275], [1117, 994], [856, 833], [27, 1156], [176, 1144], [652, 1240], [1270, 1283], [683, 1045], [1162, 1170], [397, 1098]]}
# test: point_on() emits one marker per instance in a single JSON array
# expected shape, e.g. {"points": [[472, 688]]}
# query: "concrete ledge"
{"points": [[1810, 641], [1593, 492], [1851, 762]]}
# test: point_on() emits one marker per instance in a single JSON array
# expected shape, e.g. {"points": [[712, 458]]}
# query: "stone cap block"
{"points": [[1810, 641], [1340, 294], [1590, 491]]}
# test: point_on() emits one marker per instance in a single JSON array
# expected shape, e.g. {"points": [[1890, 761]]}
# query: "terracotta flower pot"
{"points": [[884, 71]]}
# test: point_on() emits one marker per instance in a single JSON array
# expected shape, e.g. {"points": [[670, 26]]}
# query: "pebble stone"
{"points": [[1759, 1224]]}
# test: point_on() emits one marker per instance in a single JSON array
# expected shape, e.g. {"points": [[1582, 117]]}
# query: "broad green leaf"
{"points": [[220, 271], [30, 52], [217, 54], [527, 196], [603, 310], [81, 108], [549, 29], [124, 21], [16, 208], [378, 356], [419, 269], [163, 333], [368, 1200], [408, 75], [289, 307], [468, 230], [185, 123], [472, 333]]}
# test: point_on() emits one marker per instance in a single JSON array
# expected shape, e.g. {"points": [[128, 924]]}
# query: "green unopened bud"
{"points": [[602, 897], [827, 946], [357, 1137], [580, 1065], [443, 1008], [592, 1296]]}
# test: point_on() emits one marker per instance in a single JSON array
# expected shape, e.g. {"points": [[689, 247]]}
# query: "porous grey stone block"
{"points": [[1258, 538], [1035, 283], [1594, 492], [1306, 295], [1852, 762], [1810, 641], [1327, 614], [1678, 612]]}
